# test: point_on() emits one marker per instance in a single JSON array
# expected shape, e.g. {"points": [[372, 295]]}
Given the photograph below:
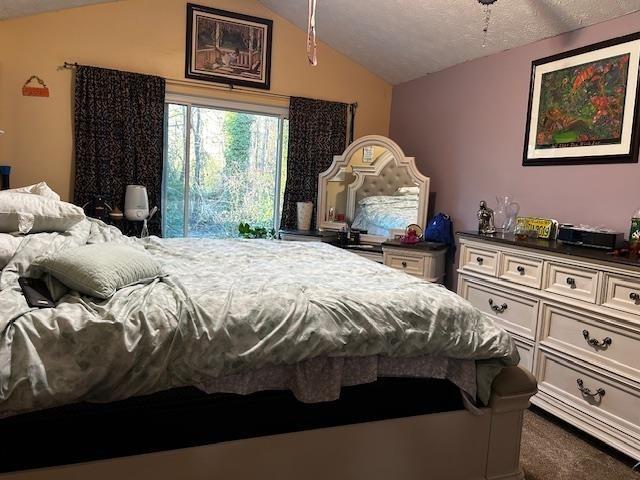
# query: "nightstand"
{"points": [[307, 236], [425, 260]]}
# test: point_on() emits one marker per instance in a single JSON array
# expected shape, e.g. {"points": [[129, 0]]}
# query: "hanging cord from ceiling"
{"points": [[311, 34], [487, 18]]}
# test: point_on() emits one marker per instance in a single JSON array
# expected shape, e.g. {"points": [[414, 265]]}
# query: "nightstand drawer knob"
{"points": [[520, 269], [571, 282], [480, 260], [404, 264], [635, 296]]}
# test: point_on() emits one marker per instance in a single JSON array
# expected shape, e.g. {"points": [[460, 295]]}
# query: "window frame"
{"points": [[191, 101]]}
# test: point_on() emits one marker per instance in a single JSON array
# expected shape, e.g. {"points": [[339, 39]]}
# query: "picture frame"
{"points": [[228, 47], [584, 105]]}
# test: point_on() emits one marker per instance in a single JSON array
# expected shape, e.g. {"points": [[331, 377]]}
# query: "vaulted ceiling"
{"points": [[400, 40], [404, 39]]}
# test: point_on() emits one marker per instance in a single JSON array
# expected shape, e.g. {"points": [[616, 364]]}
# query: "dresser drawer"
{"points": [[514, 312], [406, 263], [615, 404], [622, 293], [526, 353], [521, 270], [479, 260], [591, 338], [570, 281]]}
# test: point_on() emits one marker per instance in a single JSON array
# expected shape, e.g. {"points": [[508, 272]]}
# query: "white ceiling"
{"points": [[404, 39], [400, 40], [20, 8]]}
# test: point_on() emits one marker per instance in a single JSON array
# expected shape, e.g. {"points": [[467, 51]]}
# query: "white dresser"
{"points": [[575, 316]]}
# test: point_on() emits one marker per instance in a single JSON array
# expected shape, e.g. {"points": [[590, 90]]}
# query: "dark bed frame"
{"points": [[187, 417]]}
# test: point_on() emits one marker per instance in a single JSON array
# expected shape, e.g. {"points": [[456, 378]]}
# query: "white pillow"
{"points": [[26, 213], [408, 191], [8, 247], [41, 189]]}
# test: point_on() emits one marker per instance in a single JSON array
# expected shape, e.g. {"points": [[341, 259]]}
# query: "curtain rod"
{"points": [[215, 86]]}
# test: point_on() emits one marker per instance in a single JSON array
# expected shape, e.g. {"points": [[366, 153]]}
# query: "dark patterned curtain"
{"points": [[317, 132], [118, 136]]}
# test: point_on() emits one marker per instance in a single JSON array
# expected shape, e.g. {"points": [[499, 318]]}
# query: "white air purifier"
{"points": [[136, 203]]}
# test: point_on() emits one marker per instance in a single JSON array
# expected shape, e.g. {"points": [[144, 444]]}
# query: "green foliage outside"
{"points": [[232, 177]]}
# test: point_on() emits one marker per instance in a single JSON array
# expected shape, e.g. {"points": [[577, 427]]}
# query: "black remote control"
{"points": [[36, 293]]}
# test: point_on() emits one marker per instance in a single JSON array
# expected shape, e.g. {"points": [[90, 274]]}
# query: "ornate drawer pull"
{"points": [[635, 296], [480, 260], [571, 282], [404, 264], [588, 393], [595, 343], [520, 269], [497, 308]]}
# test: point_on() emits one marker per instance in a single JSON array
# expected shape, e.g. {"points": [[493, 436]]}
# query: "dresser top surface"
{"points": [[555, 246]]}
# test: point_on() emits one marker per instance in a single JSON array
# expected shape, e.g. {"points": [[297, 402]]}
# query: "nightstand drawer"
{"points": [[406, 263], [479, 259], [570, 281], [514, 312], [588, 336], [622, 293], [521, 270]]}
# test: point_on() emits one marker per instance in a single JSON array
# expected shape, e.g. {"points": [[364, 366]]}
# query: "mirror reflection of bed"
{"points": [[387, 201], [372, 188]]}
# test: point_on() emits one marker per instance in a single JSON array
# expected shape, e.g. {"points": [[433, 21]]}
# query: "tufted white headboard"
{"points": [[386, 182]]}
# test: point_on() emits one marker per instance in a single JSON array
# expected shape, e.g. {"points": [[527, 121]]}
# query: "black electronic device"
{"points": [[593, 238], [5, 170], [36, 293]]}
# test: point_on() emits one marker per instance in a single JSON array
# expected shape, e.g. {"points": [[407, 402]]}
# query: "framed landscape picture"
{"points": [[583, 106], [227, 47]]}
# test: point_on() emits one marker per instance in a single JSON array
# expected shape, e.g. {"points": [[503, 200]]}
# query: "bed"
{"points": [[240, 319], [380, 214]]}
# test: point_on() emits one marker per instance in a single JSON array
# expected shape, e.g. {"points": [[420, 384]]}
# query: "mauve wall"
{"points": [[465, 126]]}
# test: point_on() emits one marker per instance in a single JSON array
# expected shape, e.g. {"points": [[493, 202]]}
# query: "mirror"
{"points": [[374, 188]]}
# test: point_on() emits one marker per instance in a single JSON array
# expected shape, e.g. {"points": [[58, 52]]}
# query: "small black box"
{"points": [[603, 239]]}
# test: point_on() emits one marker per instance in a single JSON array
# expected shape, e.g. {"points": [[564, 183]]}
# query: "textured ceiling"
{"points": [[400, 40], [20, 8]]}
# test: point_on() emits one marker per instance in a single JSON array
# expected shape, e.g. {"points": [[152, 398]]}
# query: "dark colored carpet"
{"points": [[553, 450]]}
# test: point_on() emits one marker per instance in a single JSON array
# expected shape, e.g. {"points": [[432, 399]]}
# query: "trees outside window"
{"points": [[223, 167]]}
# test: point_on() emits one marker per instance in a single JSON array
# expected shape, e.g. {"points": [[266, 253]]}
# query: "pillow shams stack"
{"points": [[34, 213]]}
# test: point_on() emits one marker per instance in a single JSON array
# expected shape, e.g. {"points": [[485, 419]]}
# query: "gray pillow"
{"points": [[100, 269]]}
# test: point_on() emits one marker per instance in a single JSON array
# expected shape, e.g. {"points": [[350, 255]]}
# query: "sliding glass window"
{"points": [[225, 164]]}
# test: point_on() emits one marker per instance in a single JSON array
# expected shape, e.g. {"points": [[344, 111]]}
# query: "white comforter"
{"points": [[227, 307]]}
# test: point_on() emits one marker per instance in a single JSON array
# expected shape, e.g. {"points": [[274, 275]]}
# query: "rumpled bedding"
{"points": [[382, 213], [236, 316]]}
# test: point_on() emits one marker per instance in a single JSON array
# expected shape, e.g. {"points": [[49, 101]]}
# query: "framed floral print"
{"points": [[227, 47], [583, 106]]}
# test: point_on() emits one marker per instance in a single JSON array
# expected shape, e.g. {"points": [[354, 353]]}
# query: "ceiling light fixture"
{"points": [[487, 17], [311, 34]]}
